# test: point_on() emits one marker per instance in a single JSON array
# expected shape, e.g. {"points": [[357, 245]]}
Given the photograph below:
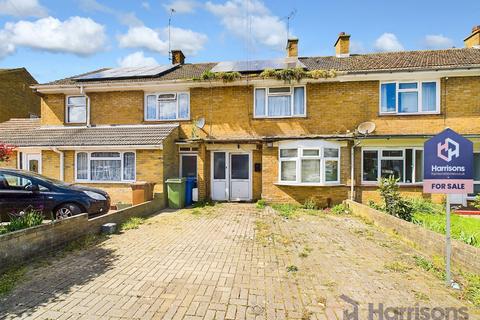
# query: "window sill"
{"points": [[384, 114], [280, 117], [166, 120], [375, 184], [103, 182], [293, 184]]}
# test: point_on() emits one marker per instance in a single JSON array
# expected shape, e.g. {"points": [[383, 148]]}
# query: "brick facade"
{"points": [[17, 99]]}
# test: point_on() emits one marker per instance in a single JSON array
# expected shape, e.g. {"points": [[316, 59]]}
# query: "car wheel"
{"points": [[67, 210]]}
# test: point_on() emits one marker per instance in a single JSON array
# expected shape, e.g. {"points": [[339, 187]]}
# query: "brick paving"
{"points": [[232, 261]]}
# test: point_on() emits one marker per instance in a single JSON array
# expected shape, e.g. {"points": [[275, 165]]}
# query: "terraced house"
{"points": [[285, 130]]}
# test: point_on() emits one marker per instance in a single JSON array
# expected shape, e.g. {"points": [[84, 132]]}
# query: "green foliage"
{"points": [[476, 201], [376, 206], [421, 205], [292, 268], [297, 74], [207, 75], [10, 279], [23, 220], [261, 204], [85, 242], [471, 285], [395, 205], [310, 204], [319, 74], [225, 76], [340, 209], [132, 223], [462, 228], [286, 210]]}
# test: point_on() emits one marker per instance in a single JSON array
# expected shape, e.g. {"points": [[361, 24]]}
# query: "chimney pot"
{"points": [[342, 45], [473, 40], [292, 48], [178, 57]]}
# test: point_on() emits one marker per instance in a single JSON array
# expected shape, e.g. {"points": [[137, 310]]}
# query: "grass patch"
{"points": [[286, 210], [292, 268], [463, 229], [203, 208], [397, 266], [420, 296], [261, 204], [10, 279], [132, 223], [305, 252], [263, 233]]}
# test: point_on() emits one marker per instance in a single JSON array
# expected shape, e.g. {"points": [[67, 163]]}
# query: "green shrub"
{"points": [[376, 206], [24, 219], [261, 204], [476, 201], [340, 209], [421, 205], [395, 205], [310, 204]]}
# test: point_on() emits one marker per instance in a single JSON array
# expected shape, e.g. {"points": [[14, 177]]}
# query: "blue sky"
{"points": [[54, 39]]}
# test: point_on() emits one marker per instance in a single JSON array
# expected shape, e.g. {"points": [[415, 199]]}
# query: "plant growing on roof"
{"points": [[225, 76], [297, 74], [6, 151]]}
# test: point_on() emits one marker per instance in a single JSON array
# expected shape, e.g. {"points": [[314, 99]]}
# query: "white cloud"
{"points": [[437, 41], [22, 8], [6, 47], [77, 35], [188, 41], [145, 5], [182, 6], [388, 42], [357, 47], [137, 59], [126, 18], [260, 26]]}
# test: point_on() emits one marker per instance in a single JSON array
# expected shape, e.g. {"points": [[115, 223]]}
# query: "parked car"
{"points": [[21, 189]]}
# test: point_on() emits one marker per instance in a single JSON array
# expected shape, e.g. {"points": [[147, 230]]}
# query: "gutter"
{"points": [[62, 161]]}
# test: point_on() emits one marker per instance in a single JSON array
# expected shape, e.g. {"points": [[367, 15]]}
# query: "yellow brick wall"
{"points": [[11, 163], [17, 99], [124, 107], [51, 164], [53, 109]]}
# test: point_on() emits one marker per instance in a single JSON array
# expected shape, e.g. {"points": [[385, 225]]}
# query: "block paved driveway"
{"points": [[232, 261]]}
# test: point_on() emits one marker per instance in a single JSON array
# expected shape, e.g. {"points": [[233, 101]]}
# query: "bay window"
{"points": [[167, 106], [309, 163], [76, 109], [105, 166], [278, 102], [410, 97], [405, 164]]}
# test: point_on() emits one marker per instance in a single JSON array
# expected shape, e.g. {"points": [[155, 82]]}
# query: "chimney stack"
{"points": [[292, 48], [473, 40], [178, 57], [342, 46]]}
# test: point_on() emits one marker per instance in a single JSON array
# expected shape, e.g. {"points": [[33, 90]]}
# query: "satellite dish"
{"points": [[366, 127], [200, 123]]}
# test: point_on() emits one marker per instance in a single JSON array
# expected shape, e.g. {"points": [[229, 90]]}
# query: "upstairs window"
{"points": [[412, 97], [280, 102], [167, 106], [76, 111]]}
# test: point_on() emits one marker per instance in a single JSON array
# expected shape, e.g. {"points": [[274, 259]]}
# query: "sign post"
{"points": [[448, 169]]}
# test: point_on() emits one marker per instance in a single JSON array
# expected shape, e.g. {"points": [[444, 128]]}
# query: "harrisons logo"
{"points": [[448, 150], [415, 312]]}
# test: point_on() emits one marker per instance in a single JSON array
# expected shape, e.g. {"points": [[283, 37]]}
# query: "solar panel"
{"points": [[257, 65], [131, 72]]}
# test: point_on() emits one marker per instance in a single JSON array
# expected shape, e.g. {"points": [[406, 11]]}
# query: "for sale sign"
{"points": [[448, 164]]}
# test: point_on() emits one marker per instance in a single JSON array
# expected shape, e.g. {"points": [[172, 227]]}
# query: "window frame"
{"points": [[292, 101], [68, 106], [156, 94], [474, 182], [381, 157], [317, 145], [89, 169], [420, 97], [188, 154]]}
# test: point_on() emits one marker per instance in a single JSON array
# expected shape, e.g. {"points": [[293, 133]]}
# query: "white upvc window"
{"points": [[167, 106], [476, 176], [280, 102], [309, 163], [410, 97], [105, 166], [76, 109], [406, 164]]}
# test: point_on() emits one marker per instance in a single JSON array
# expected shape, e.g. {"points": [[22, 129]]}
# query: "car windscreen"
{"points": [[55, 182]]}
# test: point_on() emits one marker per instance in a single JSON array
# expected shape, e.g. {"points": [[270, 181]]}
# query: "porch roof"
{"points": [[29, 133]]}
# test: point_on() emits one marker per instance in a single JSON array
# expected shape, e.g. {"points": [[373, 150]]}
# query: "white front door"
{"points": [[239, 176], [231, 176], [32, 162]]}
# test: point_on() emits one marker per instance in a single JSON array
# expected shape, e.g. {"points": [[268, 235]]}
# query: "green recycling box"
{"points": [[176, 193]]}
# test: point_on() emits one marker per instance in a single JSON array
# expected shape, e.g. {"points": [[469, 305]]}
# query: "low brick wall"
{"points": [[429, 242], [20, 246]]}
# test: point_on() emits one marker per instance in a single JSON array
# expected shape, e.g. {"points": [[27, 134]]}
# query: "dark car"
{"points": [[20, 190]]}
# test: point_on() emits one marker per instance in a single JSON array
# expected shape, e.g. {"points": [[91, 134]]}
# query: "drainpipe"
{"points": [[82, 91], [352, 169], [62, 157]]}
